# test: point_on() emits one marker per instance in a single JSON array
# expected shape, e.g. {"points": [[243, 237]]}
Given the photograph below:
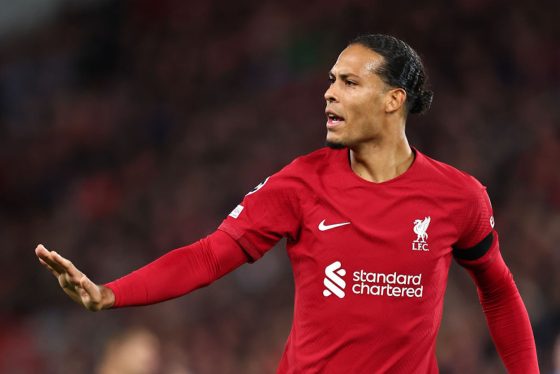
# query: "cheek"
{"points": [[363, 106], [367, 102], [365, 117], [365, 111]]}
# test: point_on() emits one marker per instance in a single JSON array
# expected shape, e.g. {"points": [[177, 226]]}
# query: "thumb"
{"points": [[90, 289]]}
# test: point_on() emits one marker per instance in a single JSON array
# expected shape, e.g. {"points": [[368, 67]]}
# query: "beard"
{"points": [[334, 145]]}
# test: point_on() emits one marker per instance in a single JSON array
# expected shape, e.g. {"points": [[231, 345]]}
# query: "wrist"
{"points": [[107, 297]]}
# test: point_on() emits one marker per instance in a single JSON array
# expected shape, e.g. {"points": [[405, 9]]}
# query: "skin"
{"points": [[74, 283], [374, 116], [135, 351], [373, 129]]}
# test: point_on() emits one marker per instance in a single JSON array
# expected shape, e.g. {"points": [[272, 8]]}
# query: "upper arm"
{"points": [[266, 214], [475, 223]]}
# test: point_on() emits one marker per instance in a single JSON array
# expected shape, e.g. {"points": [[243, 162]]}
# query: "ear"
{"points": [[395, 100]]}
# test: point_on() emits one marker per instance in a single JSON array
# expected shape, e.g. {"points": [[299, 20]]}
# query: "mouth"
{"points": [[333, 119]]}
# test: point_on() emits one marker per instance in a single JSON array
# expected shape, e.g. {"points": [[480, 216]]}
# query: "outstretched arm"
{"points": [[174, 274], [505, 312]]}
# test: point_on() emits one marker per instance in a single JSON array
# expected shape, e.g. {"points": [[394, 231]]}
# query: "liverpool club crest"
{"points": [[421, 231]]}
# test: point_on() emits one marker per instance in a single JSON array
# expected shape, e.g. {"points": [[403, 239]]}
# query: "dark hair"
{"points": [[402, 68]]}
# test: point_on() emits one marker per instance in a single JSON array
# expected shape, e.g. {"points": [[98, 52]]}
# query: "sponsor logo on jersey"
{"points": [[333, 280], [372, 283], [421, 231], [324, 227], [258, 187], [237, 211], [492, 221], [387, 284]]}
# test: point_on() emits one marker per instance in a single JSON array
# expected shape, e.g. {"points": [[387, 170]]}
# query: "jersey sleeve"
{"points": [[267, 214], [475, 224]]}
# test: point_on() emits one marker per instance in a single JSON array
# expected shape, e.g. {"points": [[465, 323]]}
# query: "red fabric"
{"points": [[179, 271], [369, 293], [505, 312], [370, 261]]}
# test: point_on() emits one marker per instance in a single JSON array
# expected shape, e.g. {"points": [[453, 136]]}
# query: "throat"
{"points": [[381, 167]]}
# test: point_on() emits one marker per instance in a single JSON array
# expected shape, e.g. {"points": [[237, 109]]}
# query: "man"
{"points": [[371, 226]]}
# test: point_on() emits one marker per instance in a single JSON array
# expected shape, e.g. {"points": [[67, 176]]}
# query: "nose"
{"points": [[330, 94]]}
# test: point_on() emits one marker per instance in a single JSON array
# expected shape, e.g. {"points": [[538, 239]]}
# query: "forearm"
{"points": [[505, 312], [179, 271], [509, 323]]}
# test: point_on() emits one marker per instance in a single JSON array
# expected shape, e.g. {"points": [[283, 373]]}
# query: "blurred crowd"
{"points": [[130, 128]]}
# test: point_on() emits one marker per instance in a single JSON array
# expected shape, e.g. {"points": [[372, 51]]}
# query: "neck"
{"points": [[382, 160]]}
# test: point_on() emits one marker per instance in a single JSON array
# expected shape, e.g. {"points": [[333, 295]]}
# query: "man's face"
{"points": [[355, 98]]}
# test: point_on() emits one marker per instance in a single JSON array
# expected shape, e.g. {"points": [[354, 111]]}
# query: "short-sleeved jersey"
{"points": [[370, 260]]}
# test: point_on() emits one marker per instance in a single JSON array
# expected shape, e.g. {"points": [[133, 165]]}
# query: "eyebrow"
{"points": [[343, 75]]}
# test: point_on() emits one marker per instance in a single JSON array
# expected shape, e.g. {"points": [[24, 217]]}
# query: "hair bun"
{"points": [[422, 102]]}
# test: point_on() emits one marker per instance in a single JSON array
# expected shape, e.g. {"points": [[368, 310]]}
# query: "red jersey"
{"points": [[370, 260]]}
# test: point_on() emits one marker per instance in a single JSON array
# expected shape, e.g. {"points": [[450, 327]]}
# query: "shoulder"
{"points": [[311, 163], [465, 197], [297, 174], [303, 173], [314, 159], [448, 176]]}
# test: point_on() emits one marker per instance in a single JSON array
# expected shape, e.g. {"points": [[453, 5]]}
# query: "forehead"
{"points": [[357, 59]]}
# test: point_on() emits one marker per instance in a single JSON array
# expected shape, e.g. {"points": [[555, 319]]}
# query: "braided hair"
{"points": [[402, 68]]}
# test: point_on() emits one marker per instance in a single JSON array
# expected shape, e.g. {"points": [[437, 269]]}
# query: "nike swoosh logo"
{"points": [[324, 227]]}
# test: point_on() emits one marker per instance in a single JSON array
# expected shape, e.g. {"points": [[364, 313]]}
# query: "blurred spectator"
{"points": [[133, 351]]}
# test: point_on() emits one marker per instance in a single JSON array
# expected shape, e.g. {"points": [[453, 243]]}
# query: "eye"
{"points": [[350, 83], [331, 79]]}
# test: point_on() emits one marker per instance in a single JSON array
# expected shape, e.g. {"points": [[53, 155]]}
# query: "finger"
{"points": [[54, 272], [42, 253], [91, 294], [84, 295], [53, 264], [40, 250], [48, 257], [62, 264], [91, 288]]}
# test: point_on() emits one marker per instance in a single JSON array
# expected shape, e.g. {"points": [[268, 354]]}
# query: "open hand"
{"points": [[74, 283]]}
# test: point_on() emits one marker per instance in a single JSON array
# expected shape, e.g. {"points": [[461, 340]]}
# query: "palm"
{"points": [[72, 281], [69, 285]]}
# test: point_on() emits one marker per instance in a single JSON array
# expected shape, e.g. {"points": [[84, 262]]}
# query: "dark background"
{"points": [[129, 128]]}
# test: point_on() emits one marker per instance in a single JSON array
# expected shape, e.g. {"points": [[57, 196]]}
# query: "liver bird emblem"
{"points": [[420, 228]]}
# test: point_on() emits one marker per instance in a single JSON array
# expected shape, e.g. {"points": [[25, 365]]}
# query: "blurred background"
{"points": [[129, 128]]}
